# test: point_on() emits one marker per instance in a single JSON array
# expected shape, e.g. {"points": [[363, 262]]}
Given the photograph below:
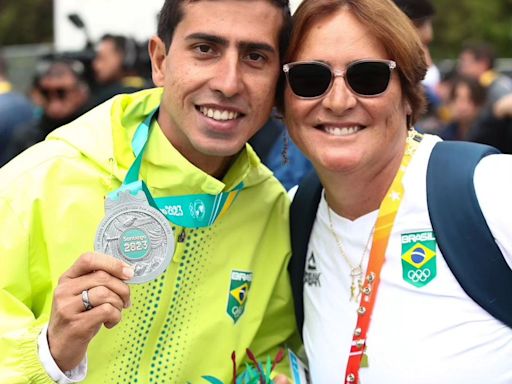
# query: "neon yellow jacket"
{"points": [[178, 328]]}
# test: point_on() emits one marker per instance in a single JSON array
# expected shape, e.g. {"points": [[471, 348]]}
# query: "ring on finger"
{"points": [[85, 300]]}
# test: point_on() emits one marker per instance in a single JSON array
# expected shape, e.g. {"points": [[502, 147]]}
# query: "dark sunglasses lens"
{"points": [[45, 93], [309, 79], [55, 93], [368, 78], [62, 93]]}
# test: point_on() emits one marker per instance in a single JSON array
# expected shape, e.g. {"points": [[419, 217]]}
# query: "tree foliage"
{"points": [[460, 21], [26, 22]]}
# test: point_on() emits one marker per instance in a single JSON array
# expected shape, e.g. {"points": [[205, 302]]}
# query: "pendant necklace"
{"points": [[356, 271]]}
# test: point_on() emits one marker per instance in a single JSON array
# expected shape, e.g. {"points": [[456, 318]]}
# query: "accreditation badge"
{"points": [[137, 234]]}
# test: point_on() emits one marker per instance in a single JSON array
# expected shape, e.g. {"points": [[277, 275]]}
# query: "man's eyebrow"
{"points": [[250, 46], [209, 38], [243, 45]]}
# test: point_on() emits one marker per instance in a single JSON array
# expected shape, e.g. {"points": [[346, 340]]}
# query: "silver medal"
{"points": [[136, 233]]}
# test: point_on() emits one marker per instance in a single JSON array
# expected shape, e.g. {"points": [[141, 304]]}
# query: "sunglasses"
{"points": [[55, 93], [313, 79]]}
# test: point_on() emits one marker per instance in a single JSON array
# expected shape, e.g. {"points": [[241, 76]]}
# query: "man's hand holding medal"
{"points": [[90, 293]]}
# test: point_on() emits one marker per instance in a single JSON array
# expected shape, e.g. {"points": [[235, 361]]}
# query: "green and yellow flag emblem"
{"points": [[419, 258], [238, 290]]}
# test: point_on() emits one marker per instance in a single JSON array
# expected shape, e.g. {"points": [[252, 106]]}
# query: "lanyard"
{"points": [[190, 211], [385, 220]]}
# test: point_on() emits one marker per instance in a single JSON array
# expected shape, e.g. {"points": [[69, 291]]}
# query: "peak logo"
{"points": [[312, 274]]}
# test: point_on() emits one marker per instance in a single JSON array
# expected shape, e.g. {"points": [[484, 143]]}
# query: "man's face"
{"points": [[108, 63], [470, 66], [219, 77], [62, 94]]}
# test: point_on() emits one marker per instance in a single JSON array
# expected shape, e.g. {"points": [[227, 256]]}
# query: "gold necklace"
{"points": [[356, 271]]}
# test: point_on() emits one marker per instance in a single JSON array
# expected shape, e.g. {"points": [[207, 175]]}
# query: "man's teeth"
{"points": [[217, 114], [345, 131]]}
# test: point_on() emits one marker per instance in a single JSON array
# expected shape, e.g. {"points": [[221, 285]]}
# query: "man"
{"points": [[15, 110], [477, 61], [421, 13], [115, 67], [64, 94], [226, 288]]}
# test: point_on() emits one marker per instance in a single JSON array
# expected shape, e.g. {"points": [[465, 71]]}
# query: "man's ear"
{"points": [[157, 53]]}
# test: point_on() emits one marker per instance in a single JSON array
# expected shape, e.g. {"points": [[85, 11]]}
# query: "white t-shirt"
{"points": [[434, 334]]}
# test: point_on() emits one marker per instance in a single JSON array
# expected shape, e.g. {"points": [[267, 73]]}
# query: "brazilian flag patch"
{"points": [[238, 290], [419, 258]]}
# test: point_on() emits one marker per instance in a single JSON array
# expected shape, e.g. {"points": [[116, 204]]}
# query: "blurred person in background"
{"points": [[495, 127], [279, 153], [15, 110], [115, 67], [64, 95], [503, 107], [421, 13], [466, 100], [478, 61]]}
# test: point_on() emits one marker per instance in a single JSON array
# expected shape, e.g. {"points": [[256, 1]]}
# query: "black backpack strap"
{"points": [[462, 233], [302, 217]]}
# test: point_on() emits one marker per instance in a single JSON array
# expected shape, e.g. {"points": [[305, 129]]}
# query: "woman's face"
{"points": [[343, 132], [464, 108]]}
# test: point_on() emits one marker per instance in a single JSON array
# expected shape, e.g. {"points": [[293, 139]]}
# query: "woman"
{"points": [[353, 92], [467, 98]]}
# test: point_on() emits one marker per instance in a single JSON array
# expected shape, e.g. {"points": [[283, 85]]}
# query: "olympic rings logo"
{"points": [[420, 275]]}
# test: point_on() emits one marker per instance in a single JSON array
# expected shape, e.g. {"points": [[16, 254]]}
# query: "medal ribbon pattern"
{"points": [[190, 211]]}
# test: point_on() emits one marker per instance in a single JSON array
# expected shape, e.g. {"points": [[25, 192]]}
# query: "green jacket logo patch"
{"points": [[238, 290], [419, 258]]}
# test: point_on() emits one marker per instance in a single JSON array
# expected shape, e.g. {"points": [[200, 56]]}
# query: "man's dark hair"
{"points": [[481, 51], [118, 41], [126, 46], [57, 66], [417, 10], [172, 13]]}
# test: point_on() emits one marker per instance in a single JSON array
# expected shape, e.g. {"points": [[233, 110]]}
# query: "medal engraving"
{"points": [[136, 233]]}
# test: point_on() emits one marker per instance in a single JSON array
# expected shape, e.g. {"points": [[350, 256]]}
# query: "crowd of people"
{"points": [[66, 86], [145, 242], [470, 102]]}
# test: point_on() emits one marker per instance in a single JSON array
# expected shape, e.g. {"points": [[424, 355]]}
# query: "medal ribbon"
{"points": [[190, 211], [385, 220]]}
